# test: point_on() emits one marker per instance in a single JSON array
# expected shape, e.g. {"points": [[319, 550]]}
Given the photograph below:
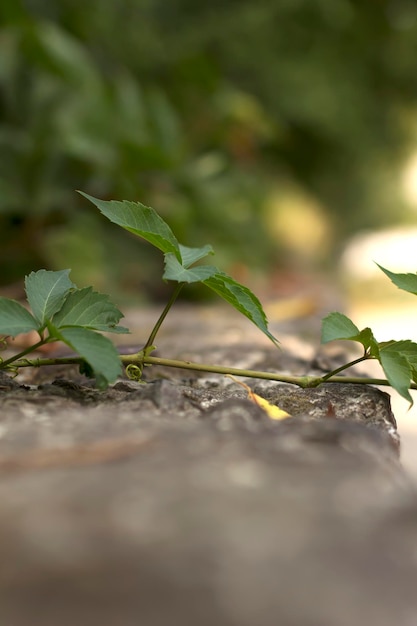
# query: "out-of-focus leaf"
{"points": [[272, 410]]}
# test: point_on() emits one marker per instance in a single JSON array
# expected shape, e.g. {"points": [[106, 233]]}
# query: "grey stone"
{"points": [[182, 502]]}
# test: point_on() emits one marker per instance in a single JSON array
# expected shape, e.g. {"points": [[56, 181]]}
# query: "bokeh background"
{"points": [[275, 130]]}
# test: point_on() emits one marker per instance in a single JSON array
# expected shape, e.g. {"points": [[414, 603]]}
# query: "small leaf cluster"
{"points": [[62, 312], [59, 311], [180, 260], [398, 359]]}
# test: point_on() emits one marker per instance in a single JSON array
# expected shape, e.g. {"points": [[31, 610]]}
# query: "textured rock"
{"points": [[181, 502]]}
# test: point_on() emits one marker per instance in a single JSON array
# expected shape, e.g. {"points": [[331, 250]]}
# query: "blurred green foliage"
{"points": [[203, 110]]}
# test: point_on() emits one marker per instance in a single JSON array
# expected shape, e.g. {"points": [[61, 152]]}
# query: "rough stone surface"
{"points": [[182, 502]]}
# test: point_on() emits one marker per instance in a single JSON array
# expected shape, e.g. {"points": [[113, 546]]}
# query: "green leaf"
{"points": [[140, 220], [367, 339], [241, 298], [98, 351], [407, 348], [175, 271], [46, 292], [15, 319], [338, 326], [192, 255], [406, 282], [87, 308], [397, 369]]}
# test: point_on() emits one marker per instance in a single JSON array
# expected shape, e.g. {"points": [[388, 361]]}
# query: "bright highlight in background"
{"points": [[409, 182]]}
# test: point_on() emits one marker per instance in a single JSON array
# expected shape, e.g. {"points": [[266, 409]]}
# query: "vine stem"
{"points": [[333, 373], [16, 357], [300, 381], [161, 318]]}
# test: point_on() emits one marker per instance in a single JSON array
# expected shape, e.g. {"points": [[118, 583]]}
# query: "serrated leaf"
{"points": [[140, 220], [85, 307], [175, 271], [98, 351], [46, 292], [406, 282], [15, 319], [192, 255], [337, 326], [242, 299], [397, 370]]}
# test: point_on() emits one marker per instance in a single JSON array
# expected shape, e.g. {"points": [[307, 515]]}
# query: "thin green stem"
{"points": [[300, 381], [333, 373], [359, 380], [161, 318], [69, 360], [16, 357]]}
